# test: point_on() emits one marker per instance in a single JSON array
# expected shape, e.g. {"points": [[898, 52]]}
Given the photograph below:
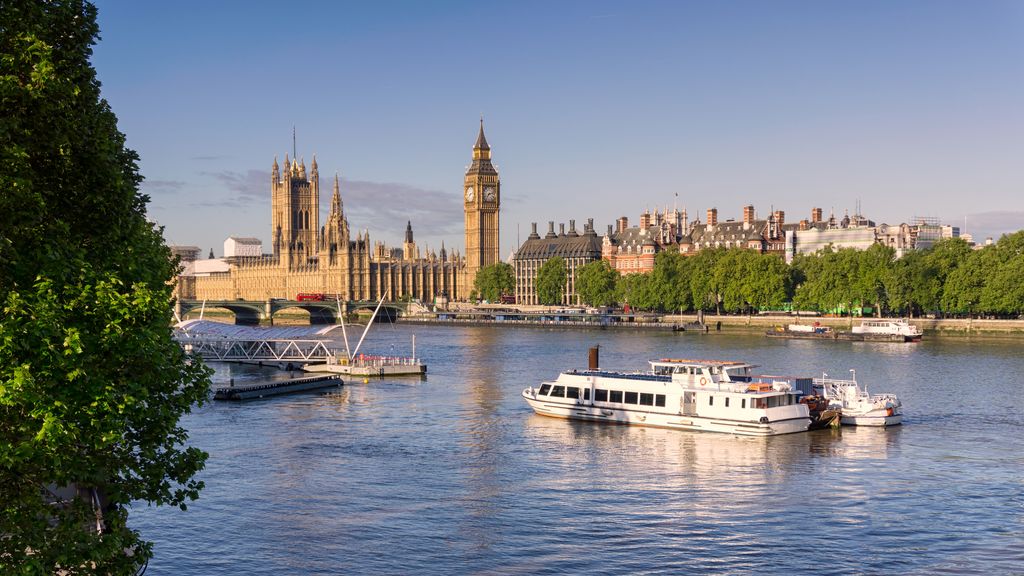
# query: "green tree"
{"points": [[873, 268], [1003, 265], [596, 283], [551, 279], [494, 280], [92, 385], [704, 289], [637, 291], [669, 282]]}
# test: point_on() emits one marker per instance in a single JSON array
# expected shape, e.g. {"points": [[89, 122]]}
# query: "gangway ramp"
{"points": [[220, 342]]}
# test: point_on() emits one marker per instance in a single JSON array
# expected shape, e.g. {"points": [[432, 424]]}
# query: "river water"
{"points": [[455, 474]]}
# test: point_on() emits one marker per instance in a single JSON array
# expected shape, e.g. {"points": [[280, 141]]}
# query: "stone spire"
{"points": [[481, 155], [336, 206], [481, 141], [408, 231], [275, 173]]}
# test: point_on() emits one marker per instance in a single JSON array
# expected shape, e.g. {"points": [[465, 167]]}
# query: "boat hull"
{"points": [[591, 413], [871, 420]]}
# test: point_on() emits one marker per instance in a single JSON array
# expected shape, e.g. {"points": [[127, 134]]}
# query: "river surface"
{"points": [[456, 475]]}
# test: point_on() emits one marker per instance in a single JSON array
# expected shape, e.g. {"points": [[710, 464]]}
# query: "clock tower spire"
{"points": [[481, 203]]}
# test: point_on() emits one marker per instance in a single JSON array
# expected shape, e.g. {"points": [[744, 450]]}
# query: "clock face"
{"points": [[469, 194], [489, 194]]}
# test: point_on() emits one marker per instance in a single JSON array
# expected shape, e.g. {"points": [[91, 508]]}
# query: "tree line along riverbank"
{"points": [[951, 278]]}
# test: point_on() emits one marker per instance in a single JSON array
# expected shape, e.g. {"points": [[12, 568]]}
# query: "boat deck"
{"points": [[276, 387]]}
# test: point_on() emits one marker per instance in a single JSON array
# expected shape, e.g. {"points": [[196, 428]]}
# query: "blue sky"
{"points": [[593, 109]]}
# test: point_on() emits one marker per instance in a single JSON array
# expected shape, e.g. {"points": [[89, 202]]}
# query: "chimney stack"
{"points": [[712, 216], [748, 216], [622, 223], [533, 231], [551, 230], [561, 229]]}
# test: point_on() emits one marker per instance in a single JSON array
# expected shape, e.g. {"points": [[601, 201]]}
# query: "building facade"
{"points": [[308, 257], [576, 249]]}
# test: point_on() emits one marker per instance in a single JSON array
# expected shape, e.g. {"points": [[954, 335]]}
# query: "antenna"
{"points": [[294, 154]]}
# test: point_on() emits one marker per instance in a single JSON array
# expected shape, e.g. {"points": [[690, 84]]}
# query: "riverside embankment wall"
{"points": [[950, 326]]}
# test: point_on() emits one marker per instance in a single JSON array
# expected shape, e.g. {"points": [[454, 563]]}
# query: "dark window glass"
{"points": [[659, 400], [544, 389], [711, 400], [572, 392], [630, 398], [743, 403], [647, 399], [586, 393], [726, 401], [558, 391], [600, 395], [616, 396]]}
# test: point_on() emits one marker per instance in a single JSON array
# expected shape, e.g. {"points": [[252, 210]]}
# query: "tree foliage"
{"points": [[494, 280], [596, 283], [551, 279], [948, 278], [91, 384]]}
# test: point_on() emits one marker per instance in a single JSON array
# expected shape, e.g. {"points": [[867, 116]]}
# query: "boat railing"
{"points": [[367, 360]]}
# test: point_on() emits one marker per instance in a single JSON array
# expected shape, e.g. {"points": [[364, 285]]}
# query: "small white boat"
{"points": [[702, 395], [859, 408], [899, 329]]}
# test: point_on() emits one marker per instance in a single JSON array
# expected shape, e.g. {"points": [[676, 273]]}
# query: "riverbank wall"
{"points": [[746, 324], [933, 326]]}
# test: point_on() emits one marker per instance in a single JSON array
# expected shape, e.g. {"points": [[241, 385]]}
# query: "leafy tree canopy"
{"points": [[551, 279], [91, 384], [494, 280], [596, 282]]}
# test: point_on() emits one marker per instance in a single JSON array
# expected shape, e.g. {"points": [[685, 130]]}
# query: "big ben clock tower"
{"points": [[481, 202]]}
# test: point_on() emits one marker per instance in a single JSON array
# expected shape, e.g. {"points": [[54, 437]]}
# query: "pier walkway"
{"points": [[230, 343]]}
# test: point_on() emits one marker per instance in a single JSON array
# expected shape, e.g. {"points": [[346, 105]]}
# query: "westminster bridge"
{"points": [[254, 312]]}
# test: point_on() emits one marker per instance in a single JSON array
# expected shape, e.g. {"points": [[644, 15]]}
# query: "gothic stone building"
{"points": [[326, 258]]}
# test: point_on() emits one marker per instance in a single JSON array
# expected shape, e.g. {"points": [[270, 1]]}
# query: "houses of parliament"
{"points": [[310, 257]]}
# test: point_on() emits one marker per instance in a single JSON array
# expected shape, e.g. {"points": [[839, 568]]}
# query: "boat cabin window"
{"points": [[586, 393], [572, 392], [726, 401], [659, 400], [558, 391], [630, 398], [743, 403], [600, 395], [616, 396], [544, 389], [711, 400], [646, 399]]}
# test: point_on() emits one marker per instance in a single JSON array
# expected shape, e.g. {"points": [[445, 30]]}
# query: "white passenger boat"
{"points": [[705, 395], [858, 407], [899, 329]]}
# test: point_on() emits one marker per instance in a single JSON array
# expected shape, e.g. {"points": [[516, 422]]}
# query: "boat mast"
{"points": [[367, 329], [344, 334]]}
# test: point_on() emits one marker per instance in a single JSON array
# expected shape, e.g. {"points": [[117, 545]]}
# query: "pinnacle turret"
{"points": [[481, 140]]}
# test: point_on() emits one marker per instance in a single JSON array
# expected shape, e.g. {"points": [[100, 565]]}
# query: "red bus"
{"points": [[310, 297], [508, 299]]}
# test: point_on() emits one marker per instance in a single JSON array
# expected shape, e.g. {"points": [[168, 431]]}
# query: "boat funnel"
{"points": [[594, 362]]}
